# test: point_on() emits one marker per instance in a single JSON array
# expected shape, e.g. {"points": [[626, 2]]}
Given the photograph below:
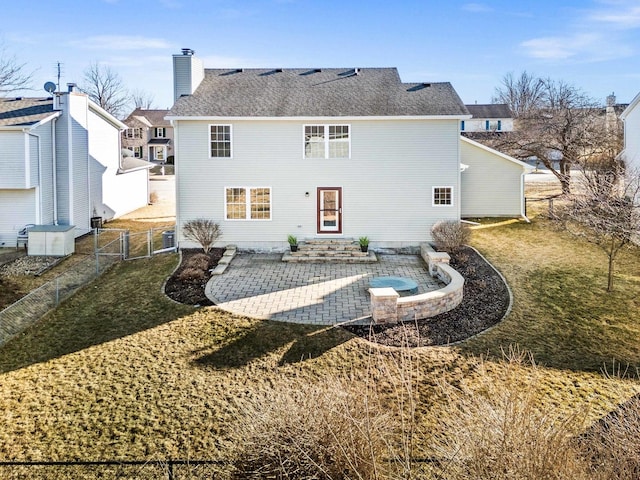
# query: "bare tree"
{"points": [[522, 94], [556, 122], [606, 210], [13, 76], [142, 99], [105, 87], [202, 230]]}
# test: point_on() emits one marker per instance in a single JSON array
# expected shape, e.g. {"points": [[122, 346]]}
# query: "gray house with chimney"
{"points": [[326, 152]]}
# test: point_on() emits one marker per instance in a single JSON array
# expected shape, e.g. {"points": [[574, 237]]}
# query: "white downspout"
{"points": [[523, 201], [54, 159], [176, 135]]}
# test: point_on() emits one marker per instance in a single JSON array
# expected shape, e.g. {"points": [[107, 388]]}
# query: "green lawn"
{"points": [[119, 371]]}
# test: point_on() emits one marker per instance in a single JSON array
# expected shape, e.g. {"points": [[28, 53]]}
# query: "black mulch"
{"points": [[191, 292], [485, 302]]}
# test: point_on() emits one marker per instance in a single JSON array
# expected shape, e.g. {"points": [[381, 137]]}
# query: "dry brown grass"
{"points": [[119, 371], [498, 425]]}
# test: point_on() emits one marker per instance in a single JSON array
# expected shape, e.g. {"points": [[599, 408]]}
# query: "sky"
{"points": [[591, 44]]}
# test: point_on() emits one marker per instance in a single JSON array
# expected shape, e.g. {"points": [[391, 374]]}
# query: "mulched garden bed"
{"points": [[186, 285], [486, 300]]}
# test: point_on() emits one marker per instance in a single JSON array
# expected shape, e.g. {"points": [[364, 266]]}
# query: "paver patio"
{"points": [[261, 286]]}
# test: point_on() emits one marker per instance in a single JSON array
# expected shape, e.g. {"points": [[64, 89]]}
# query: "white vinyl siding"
{"points": [[18, 208], [632, 138], [13, 159], [387, 184], [491, 185], [107, 184]]}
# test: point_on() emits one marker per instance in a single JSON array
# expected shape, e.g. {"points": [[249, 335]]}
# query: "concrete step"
{"points": [[346, 250], [328, 248], [364, 258]]}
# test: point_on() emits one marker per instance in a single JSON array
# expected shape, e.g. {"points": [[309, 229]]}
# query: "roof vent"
{"points": [[18, 98], [278, 70], [239, 70], [317, 70], [356, 71], [188, 51], [426, 85]]}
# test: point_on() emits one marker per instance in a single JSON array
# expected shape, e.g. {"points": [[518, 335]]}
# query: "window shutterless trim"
{"points": [[326, 140], [210, 142], [247, 203], [448, 194]]}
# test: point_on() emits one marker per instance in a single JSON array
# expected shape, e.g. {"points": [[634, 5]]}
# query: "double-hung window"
{"points": [[247, 203], [220, 141], [133, 133], [442, 196], [159, 132], [327, 141]]}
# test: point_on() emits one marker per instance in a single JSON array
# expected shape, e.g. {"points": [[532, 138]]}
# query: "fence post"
{"points": [[57, 291], [95, 249], [170, 470], [124, 245], [150, 243]]}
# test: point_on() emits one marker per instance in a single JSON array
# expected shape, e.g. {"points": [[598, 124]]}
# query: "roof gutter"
{"points": [[173, 118]]}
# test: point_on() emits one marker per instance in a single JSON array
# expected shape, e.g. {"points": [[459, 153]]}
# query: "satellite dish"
{"points": [[50, 87]]}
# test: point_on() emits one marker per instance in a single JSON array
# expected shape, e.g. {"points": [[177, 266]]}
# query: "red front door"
{"points": [[329, 210]]}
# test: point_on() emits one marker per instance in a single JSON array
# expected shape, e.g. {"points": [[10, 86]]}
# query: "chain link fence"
{"points": [[97, 251], [124, 470]]}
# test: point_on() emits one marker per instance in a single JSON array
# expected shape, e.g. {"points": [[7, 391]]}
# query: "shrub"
{"points": [[311, 431], [502, 430], [202, 230], [199, 261], [333, 428], [612, 445], [190, 274], [450, 235]]}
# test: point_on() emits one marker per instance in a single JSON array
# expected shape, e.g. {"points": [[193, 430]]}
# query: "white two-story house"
{"points": [[62, 165], [326, 152]]}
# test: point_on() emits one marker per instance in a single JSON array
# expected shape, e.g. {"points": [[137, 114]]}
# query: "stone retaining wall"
{"points": [[388, 307]]}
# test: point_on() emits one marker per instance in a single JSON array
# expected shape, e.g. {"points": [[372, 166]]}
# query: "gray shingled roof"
{"points": [[24, 112], [327, 92], [154, 117], [491, 110]]}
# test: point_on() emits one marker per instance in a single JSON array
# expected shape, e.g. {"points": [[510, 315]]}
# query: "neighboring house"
{"points": [[62, 165], [488, 118], [631, 118], [148, 135], [336, 152]]}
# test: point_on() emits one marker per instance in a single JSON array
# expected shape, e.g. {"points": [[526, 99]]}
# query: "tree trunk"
{"points": [[610, 274], [565, 176]]}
